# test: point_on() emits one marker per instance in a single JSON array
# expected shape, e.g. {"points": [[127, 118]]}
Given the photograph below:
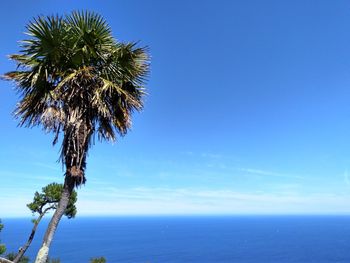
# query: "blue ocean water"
{"points": [[248, 239]]}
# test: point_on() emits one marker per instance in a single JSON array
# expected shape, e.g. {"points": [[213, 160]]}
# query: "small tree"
{"points": [[98, 260], [24, 259], [54, 260], [2, 247], [11, 256], [42, 203]]}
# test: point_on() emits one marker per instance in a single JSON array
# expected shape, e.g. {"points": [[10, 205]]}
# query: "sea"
{"points": [[192, 239]]}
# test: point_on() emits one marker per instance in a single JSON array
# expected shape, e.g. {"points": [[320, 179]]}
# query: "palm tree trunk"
{"points": [[75, 145], [51, 229]]}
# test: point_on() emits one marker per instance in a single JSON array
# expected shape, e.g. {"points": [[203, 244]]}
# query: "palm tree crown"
{"points": [[74, 77]]}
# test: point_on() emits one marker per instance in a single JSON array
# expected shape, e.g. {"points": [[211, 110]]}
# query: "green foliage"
{"points": [[12, 256], [2, 247], [54, 260], [98, 260], [48, 199]]}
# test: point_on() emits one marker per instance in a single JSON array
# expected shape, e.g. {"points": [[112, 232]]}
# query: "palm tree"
{"points": [[75, 79]]}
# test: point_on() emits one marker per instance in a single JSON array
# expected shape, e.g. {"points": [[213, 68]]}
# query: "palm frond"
{"points": [[73, 77]]}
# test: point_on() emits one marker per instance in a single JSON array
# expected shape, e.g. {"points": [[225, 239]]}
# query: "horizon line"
{"points": [[192, 215]]}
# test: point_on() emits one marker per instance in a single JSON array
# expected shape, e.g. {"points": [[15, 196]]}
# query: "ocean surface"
{"points": [[248, 239]]}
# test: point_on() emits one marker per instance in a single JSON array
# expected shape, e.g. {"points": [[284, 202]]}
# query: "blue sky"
{"points": [[248, 111]]}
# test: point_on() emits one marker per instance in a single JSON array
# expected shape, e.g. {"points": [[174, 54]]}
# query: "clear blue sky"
{"points": [[248, 111]]}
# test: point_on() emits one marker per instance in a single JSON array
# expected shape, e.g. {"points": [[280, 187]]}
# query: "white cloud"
{"points": [[109, 200], [346, 177], [57, 167], [148, 201], [268, 173]]}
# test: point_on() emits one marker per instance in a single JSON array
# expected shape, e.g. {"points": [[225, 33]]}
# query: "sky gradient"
{"points": [[248, 111]]}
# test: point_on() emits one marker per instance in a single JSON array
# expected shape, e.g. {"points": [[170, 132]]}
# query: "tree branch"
{"points": [[4, 260], [23, 249]]}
